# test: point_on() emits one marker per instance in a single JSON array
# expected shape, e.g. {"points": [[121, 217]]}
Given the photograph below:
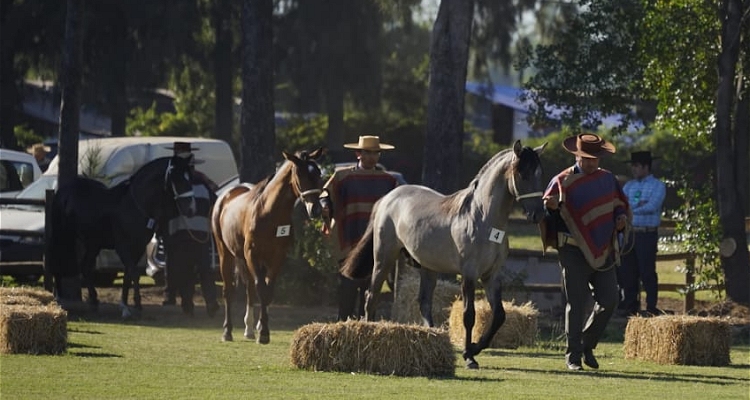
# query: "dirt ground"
{"points": [[294, 316]]}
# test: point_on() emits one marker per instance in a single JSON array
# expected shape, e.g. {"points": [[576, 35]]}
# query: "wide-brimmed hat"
{"points": [[641, 157], [368, 142], [185, 150], [588, 145], [39, 148]]}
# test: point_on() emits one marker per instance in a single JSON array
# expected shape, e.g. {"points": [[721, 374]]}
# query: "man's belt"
{"points": [[563, 239], [645, 228]]}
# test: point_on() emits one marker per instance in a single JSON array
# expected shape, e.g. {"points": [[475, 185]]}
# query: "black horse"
{"points": [[87, 217]]}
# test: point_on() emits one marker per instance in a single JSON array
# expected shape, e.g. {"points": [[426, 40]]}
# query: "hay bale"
{"points": [[14, 295], [405, 307], [33, 329], [373, 347], [519, 329], [678, 339]]}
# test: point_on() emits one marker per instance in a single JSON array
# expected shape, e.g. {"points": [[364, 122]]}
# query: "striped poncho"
{"points": [[589, 206], [353, 192]]}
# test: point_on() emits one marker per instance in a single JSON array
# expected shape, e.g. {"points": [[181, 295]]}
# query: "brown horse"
{"points": [[252, 229]]}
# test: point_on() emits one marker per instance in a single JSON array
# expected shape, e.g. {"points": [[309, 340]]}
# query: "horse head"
{"points": [[526, 183], [307, 179], [178, 182]]}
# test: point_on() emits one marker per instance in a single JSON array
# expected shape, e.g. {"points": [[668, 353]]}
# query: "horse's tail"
{"points": [[360, 261]]}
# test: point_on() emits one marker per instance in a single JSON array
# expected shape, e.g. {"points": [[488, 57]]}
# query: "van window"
{"points": [[15, 175]]}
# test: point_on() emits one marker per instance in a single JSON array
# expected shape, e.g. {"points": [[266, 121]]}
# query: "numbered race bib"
{"points": [[496, 235], [283, 230]]}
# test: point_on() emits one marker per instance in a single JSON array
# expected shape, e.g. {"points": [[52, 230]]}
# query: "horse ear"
{"points": [[319, 152], [289, 156], [517, 148], [540, 149]]}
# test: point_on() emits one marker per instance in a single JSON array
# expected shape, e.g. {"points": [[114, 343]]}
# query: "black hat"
{"points": [[641, 157], [185, 150]]}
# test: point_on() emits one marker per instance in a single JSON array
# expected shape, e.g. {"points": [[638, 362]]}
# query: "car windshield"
{"points": [[37, 189]]}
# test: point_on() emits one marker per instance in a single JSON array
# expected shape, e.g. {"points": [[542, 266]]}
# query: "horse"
{"points": [[462, 233], [87, 217], [252, 230]]}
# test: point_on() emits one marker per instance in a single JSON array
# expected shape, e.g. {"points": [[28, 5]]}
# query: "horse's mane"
{"points": [[460, 201]]}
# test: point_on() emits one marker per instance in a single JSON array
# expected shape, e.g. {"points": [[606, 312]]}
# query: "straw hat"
{"points": [[588, 145], [39, 148], [185, 150], [371, 143]]}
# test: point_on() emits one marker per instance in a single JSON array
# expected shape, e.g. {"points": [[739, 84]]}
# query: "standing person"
{"points": [[646, 196], [586, 209], [188, 244], [40, 151], [347, 201]]}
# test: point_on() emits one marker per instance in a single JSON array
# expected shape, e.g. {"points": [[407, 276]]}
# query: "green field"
{"points": [[168, 356]]}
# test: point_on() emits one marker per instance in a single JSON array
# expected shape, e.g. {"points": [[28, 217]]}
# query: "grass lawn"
{"points": [[165, 355]]}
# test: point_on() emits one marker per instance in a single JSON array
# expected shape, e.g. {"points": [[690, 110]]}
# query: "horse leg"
{"points": [[493, 291], [250, 314], [264, 288], [380, 272], [427, 283], [467, 290], [227, 268], [88, 263]]}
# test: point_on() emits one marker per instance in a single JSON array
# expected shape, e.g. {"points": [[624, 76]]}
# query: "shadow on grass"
{"points": [[641, 376]]}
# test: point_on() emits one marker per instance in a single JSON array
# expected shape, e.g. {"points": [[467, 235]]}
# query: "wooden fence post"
{"points": [[48, 279], [689, 281]]}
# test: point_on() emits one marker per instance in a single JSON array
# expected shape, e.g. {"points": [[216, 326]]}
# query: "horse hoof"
{"points": [[472, 364], [264, 339], [227, 338]]}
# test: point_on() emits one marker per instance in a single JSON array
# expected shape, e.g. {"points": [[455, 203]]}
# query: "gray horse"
{"points": [[462, 233]]}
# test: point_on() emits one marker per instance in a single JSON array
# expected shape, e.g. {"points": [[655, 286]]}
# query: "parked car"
{"points": [[110, 160], [17, 171]]}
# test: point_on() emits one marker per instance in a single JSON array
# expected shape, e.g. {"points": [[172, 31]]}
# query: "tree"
{"points": [[70, 106], [223, 70], [449, 53], [257, 120], [732, 134], [619, 54]]}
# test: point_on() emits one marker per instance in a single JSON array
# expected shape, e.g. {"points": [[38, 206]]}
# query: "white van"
{"points": [[110, 160], [17, 171]]}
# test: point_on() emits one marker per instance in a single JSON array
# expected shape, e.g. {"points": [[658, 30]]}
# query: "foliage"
{"points": [[685, 91], [699, 231], [591, 70], [26, 137]]}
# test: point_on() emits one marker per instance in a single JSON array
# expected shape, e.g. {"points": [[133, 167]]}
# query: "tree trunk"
{"points": [[69, 117], [224, 122], [9, 96], [731, 212], [449, 54], [71, 92], [257, 121]]}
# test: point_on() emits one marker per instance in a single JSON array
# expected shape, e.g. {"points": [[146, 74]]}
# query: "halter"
{"points": [[188, 193], [520, 197], [302, 194]]}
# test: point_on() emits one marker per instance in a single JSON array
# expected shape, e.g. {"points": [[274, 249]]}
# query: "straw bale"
{"points": [[406, 304], [13, 295], [28, 329], [519, 328], [678, 339], [373, 347]]}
